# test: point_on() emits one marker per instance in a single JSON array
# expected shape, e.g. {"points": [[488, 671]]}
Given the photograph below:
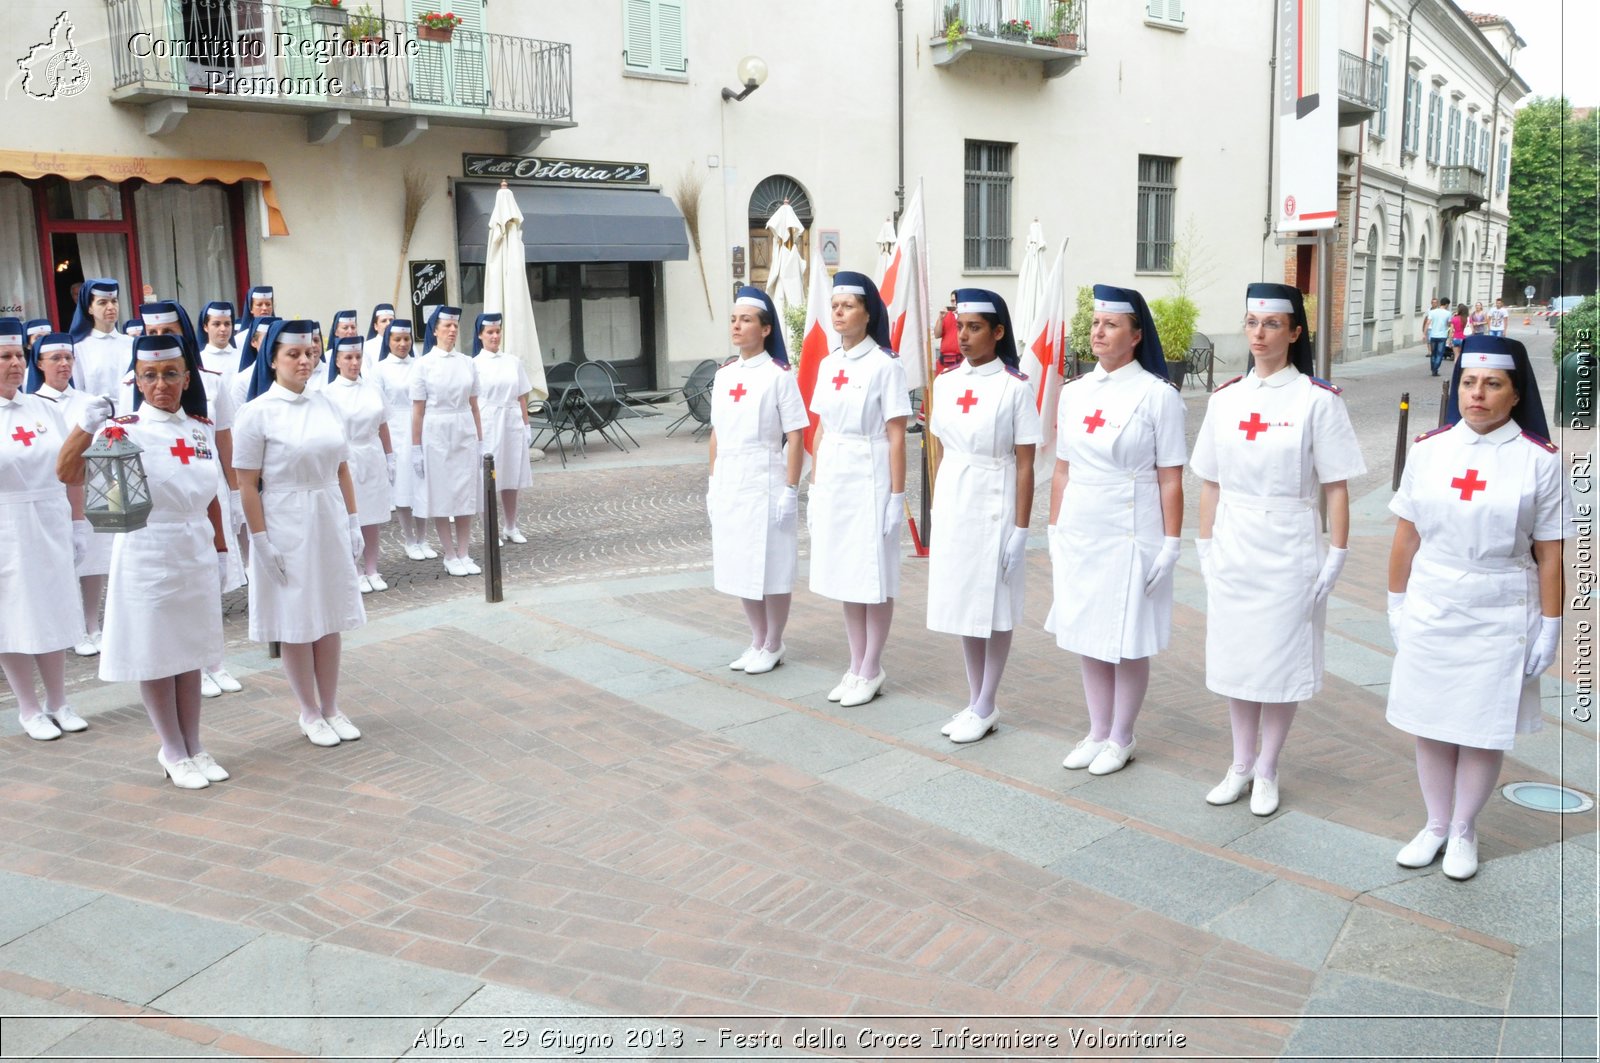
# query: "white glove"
{"points": [[416, 459], [222, 568], [711, 489], [893, 514], [1332, 565], [788, 508], [527, 435], [358, 542], [80, 541], [1166, 560], [96, 412], [1202, 550], [1397, 606], [1016, 546], [1542, 653], [484, 448], [236, 506], [272, 562], [388, 461]]}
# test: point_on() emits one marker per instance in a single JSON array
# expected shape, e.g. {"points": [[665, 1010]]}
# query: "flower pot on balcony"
{"points": [[1068, 41], [328, 16], [434, 33]]}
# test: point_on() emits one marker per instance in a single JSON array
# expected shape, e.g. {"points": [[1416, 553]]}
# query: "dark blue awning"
{"points": [[576, 224]]}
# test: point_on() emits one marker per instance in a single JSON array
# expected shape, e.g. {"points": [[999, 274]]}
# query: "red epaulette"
{"points": [[729, 362], [127, 418], [889, 351], [1227, 383], [202, 420], [785, 366], [1016, 372], [1326, 386], [1541, 441], [1433, 432]]}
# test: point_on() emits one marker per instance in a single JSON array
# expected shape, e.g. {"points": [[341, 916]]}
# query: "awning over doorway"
{"points": [[117, 168], [576, 224]]}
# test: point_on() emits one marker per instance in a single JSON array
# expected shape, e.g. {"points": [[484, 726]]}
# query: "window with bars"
{"points": [[988, 206], [1158, 189], [652, 36]]}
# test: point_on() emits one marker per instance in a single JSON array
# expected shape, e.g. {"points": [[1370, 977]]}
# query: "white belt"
{"points": [[285, 486], [179, 521], [44, 494], [1269, 503], [977, 461], [1484, 565], [763, 449], [1092, 479]]}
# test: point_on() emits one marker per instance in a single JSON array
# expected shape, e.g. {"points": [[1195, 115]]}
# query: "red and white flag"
{"points": [[905, 292], [819, 338], [1047, 345]]}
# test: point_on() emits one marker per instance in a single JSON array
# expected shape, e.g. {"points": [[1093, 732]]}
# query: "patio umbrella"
{"points": [[786, 276], [1030, 280], [885, 243], [505, 288]]}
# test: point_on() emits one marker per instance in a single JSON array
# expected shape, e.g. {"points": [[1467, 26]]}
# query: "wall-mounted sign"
{"points": [[428, 290], [556, 171], [738, 262], [830, 248]]}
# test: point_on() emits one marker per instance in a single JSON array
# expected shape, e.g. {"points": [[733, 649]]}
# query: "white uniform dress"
{"points": [[360, 403], [502, 378], [216, 373], [858, 392], [980, 415], [754, 401], [1472, 606], [447, 380], [394, 381], [97, 559], [164, 598], [100, 361], [43, 611], [1268, 444], [1113, 430], [369, 354], [298, 442]]}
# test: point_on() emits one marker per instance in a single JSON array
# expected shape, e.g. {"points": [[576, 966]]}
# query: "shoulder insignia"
{"points": [[1433, 432], [1541, 441], [127, 418], [1325, 386], [724, 365], [1226, 383], [1174, 385], [202, 420], [785, 366], [889, 351], [1016, 372]]}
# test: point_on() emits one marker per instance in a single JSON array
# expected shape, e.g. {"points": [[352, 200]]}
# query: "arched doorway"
{"points": [[770, 194]]}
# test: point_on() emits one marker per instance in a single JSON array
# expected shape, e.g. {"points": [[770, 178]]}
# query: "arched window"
{"points": [[1422, 271], [770, 194]]}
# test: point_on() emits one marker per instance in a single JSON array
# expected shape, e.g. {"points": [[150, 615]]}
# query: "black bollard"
{"points": [[1400, 440], [491, 534], [274, 650]]}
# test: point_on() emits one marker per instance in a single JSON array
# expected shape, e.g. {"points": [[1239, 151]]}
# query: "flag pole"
{"points": [[929, 453]]}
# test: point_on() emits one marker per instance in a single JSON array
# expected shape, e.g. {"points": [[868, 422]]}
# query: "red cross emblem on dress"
{"points": [[1093, 422], [23, 436], [967, 401], [1253, 427], [1469, 484], [182, 450], [738, 392], [840, 381]]}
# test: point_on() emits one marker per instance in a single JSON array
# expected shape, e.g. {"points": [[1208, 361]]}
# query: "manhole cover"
{"points": [[1545, 797]]}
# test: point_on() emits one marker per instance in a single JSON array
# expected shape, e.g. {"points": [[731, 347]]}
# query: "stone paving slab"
{"points": [[1343, 1022], [1261, 919], [26, 1037], [1191, 887], [119, 1040], [1378, 945], [1029, 827], [26, 904], [1328, 851]]}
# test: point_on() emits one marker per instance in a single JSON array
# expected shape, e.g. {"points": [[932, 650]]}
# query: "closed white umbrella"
{"points": [[885, 243], [1030, 280], [786, 277], [505, 288]]}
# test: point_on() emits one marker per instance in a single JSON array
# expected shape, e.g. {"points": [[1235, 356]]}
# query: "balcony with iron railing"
{"points": [[1360, 89], [1461, 188], [1052, 33], [332, 66]]}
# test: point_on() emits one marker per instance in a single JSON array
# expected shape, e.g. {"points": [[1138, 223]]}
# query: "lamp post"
{"points": [[752, 73]]}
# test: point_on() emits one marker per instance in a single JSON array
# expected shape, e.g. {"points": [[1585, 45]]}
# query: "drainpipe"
{"points": [[1272, 128], [900, 107]]}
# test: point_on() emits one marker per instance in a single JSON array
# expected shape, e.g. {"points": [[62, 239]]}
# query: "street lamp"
{"points": [[752, 72]]}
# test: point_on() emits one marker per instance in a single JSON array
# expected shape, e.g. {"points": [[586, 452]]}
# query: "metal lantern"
{"points": [[116, 496]]}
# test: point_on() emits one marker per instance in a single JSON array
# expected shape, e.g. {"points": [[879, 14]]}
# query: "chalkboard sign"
{"points": [[428, 290]]}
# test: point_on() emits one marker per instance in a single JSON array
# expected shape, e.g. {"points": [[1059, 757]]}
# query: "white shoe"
{"points": [[428, 552], [347, 731], [208, 686], [414, 552], [842, 687], [738, 663], [949, 725], [1228, 790], [452, 566], [764, 660], [185, 774], [86, 647], [470, 566], [320, 732], [515, 535], [40, 728], [1083, 754], [225, 680], [1112, 757], [1421, 850], [969, 727], [208, 766], [377, 581], [68, 720], [862, 690], [1460, 857], [1264, 796], [364, 585]]}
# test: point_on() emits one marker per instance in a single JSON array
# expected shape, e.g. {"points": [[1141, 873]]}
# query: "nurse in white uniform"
{"points": [[858, 478], [101, 352], [983, 414], [395, 365], [259, 303], [218, 361], [446, 439], [50, 377], [303, 527], [382, 314], [41, 534], [164, 601], [245, 374], [503, 387], [1116, 518], [758, 425], [1270, 438], [366, 421], [1475, 591]]}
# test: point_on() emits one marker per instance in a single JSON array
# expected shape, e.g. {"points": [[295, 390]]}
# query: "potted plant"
{"points": [[953, 31], [1078, 330], [436, 27], [328, 12], [365, 26], [1064, 19], [1175, 318], [1016, 29]]}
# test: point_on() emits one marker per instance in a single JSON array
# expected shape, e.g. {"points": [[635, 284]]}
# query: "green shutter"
{"points": [[638, 35], [669, 36]]}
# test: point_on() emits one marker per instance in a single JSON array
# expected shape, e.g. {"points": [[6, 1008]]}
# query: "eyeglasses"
{"points": [[168, 376], [1270, 324], [56, 358]]}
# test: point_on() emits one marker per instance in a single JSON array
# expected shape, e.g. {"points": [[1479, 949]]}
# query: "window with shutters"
{"points": [[1452, 147], [1483, 147], [653, 37], [1380, 121], [1435, 119], [1158, 189], [988, 206], [1470, 155], [1505, 164], [1413, 115], [1165, 12]]}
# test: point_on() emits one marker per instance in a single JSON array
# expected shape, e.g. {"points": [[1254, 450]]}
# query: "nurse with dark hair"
{"points": [[372, 349], [446, 438], [372, 464], [503, 387], [395, 365], [103, 353]]}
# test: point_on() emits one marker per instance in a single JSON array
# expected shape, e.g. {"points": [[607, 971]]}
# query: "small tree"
{"points": [[1082, 320], [1175, 318], [794, 328], [1575, 330]]}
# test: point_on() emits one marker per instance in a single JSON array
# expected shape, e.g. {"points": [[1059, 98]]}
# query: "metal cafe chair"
{"points": [[697, 396]]}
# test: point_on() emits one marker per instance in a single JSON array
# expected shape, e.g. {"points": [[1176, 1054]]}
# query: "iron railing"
{"points": [[325, 56], [1359, 81], [1463, 181], [1004, 19]]}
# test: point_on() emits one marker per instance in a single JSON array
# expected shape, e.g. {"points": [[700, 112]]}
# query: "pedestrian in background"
{"points": [[1458, 330], [1436, 325]]}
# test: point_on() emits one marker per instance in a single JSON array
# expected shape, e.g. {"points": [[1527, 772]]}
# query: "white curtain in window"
{"points": [[21, 285], [185, 246], [103, 254]]}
